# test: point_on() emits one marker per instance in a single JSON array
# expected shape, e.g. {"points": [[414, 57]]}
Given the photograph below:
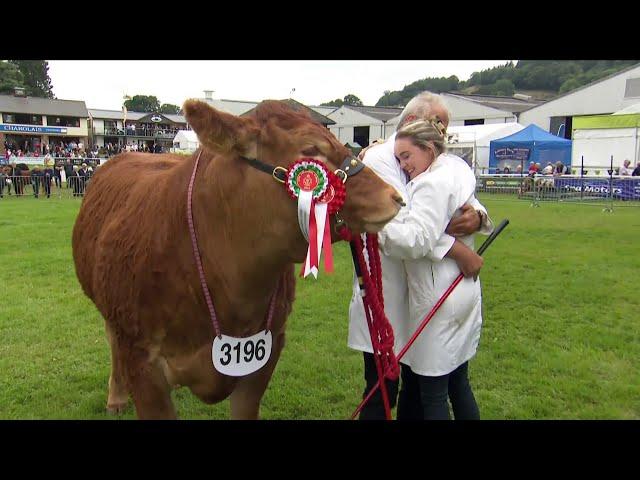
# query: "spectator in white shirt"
{"points": [[625, 170]]}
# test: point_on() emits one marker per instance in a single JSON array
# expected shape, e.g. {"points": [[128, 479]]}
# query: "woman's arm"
{"points": [[419, 235]]}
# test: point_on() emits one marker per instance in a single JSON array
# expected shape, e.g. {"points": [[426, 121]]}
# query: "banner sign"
{"points": [[507, 153], [31, 129], [628, 189], [502, 183]]}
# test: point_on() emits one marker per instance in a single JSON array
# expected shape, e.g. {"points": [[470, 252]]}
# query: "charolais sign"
{"points": [[31, 129]]}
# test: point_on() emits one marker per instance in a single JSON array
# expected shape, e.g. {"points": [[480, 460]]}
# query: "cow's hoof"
{"points": [[116, 408]]}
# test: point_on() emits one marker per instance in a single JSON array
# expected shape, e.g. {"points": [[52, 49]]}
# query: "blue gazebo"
{"points": [[531, 144]]}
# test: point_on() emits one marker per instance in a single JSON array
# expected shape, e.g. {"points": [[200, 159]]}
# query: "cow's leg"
{"points": [[149, 387], [245, 398], [118, 394]]}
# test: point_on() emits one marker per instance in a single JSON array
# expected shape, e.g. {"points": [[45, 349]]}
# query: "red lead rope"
{"points": [[380, 330], [429, 316]]}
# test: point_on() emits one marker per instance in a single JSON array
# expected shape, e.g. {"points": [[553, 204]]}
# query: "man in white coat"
{"points": [[382, 160]]}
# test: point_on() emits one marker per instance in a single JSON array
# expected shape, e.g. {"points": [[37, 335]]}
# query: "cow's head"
{"points": [[276, 134]]}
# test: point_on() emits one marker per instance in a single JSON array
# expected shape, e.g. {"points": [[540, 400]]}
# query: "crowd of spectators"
{"points": [[72, 149], [15, 176]]}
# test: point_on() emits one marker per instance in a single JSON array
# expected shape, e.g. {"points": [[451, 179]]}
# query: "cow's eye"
{"points": [[311, 151]]}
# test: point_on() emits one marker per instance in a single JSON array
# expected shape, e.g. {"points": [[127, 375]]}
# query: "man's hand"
{"points": [[364, 150], [466, 224]]}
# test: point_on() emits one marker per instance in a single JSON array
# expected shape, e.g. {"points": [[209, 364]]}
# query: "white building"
{"points": [[359, 126], [602, 140], [465, 110], [186, 141], [602, 97]]}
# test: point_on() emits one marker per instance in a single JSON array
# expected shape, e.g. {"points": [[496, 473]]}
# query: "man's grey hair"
{"points": [[421, 106]]}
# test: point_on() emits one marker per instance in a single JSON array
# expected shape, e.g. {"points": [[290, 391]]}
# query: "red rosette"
{"points": [[290, 191], [339, 193]]}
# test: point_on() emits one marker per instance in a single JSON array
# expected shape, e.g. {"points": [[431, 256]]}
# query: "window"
{"points": [[22, 118], [561, 126], [474, 121], [361, 136], [632, 88], [55, 121]]}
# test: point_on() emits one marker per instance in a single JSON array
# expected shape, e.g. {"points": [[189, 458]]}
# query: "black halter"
{"points": [[349, 167]]}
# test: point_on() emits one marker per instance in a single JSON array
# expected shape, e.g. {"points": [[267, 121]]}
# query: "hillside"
{"points": [[542, 79]]}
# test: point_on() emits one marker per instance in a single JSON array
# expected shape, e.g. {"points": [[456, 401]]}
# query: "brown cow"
{"points": [[134, 259]]}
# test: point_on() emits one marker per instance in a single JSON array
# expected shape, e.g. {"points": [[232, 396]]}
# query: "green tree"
{"points": [[36, 77], [351, 99], [10, 77], [569, 85], [333, 103], [504, 87], [143, 103], [432, 84], [169, 108]]}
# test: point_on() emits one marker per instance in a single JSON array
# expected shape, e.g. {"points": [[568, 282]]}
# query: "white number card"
{"points": [[237, 357]]}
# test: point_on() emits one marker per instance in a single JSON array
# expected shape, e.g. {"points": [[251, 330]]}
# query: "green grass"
{"points": [[560, 335]]}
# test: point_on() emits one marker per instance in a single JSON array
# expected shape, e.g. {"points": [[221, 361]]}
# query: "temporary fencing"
{"points": [[624, 190], [42, 187]]}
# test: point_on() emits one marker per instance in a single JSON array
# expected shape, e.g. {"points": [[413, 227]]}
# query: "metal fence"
{"points": [[604, 190], [42, 187], [621, 190]]}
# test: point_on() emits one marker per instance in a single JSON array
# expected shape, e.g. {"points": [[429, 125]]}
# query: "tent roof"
{"points": [[635, 108], [188, 135], [533, 134], [481, 134]]}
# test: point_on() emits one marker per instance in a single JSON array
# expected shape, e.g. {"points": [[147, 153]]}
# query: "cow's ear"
{"points": [[220, 131]]}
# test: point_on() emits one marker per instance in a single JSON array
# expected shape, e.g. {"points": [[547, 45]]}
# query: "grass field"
{"points": [[560, 335]]}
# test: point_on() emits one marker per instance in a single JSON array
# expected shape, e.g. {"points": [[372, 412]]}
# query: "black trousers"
{"points": [[374, 409], [425, 398]]}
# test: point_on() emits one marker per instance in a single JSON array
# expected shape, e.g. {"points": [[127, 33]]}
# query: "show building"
{"points": [[30, 123], [139, 129]]}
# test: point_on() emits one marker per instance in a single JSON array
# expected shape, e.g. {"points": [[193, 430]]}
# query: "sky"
{"points": [[102, 84]]}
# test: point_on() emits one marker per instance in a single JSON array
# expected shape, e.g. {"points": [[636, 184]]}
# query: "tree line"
{"points": [[547, 78], [33, 76], [553, 77]]}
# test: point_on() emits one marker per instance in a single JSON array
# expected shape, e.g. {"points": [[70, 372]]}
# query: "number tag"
{"points": [[237, 357]]}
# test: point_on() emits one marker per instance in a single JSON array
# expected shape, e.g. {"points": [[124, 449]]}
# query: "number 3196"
{"points": [[247, 354]]}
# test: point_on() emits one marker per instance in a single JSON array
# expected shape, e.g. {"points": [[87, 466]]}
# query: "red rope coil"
{"points": [[382, 335]]}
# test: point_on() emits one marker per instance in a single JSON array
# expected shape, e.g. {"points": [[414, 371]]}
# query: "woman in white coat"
{"points": [[435, 367]]}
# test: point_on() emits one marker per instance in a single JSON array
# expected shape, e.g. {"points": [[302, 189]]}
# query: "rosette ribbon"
{"points": [[315, 188]]}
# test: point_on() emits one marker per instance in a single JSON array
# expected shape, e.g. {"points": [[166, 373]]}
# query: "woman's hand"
{"points": [[469, 262]]}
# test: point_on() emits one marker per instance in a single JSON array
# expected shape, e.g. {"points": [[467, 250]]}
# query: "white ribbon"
{"points": [[304, 212], [320, 211]]}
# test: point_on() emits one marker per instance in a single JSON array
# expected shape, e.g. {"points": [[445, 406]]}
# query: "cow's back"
{"points": [[127, 201]]}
